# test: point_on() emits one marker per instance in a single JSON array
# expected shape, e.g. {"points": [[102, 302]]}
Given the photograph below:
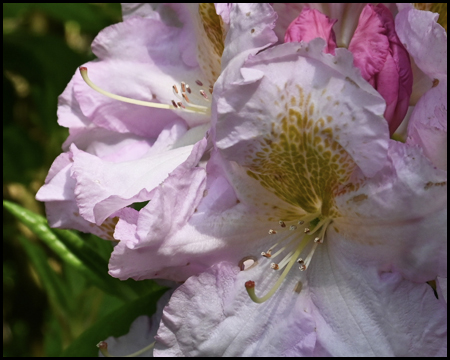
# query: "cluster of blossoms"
{"points": [[260, 136]]}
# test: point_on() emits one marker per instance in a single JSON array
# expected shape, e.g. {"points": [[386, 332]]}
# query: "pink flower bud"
{"points": [[383, 61]]}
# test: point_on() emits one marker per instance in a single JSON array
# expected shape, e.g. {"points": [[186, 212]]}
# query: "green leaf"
{"points": [[49, 279], [116, 324], [99, 264], [53, 338], [90, 17], [98, 277]]}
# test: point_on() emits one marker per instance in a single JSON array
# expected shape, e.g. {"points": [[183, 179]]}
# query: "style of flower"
{"points": [[302, 172]]}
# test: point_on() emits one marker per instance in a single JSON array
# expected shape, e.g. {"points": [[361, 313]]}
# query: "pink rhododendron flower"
{"points": [[320, 186], [153, 81], [298, 227], [303, 173]]}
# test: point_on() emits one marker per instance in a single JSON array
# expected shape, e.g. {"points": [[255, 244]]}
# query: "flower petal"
{"points": [[309, 25], [99, 193], [400, 214], [425, 40], [361, 311], [294, 102], [441, 284], [130, 256], [251, 105], [60, 203], [346, 13], [250, 31], [228, 323], [428, 125], [141, 334], [108, 145]]}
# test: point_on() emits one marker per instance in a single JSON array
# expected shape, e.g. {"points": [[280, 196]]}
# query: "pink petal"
{"points": [[131, 255], [347, 15], [141, 334], [309, 25], [343, 309], [441, 285], [98, 192], [60, 204], [426, 41], [400, 213], [109, 145], [428, 125], [122, 183], [252, 106], [383, 61], [250, 31], [362, 311], [227, 323]]}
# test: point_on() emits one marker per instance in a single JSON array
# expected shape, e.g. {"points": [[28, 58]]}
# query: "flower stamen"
{"points": [[314, 234], [191, 107], [250, 285]]}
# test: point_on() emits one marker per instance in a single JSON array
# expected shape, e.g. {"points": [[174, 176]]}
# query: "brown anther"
{"points": [[292, 227], [174, 104], [267, 254], [185, 97], [307, 231], [180, 104], [183, 86], [301, 222], [300, 261], [188, 89], [202, 93], [435, 82], [274, 266], [210, 89], [198, 82], [271, 232], [282, 224], [302, 267], [175, 88], [317, 240]]}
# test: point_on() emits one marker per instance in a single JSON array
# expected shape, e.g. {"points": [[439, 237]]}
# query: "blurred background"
{"points": [[43, 44]]}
